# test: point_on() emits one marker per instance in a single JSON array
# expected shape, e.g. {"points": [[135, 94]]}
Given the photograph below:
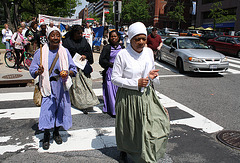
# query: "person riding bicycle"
{"points": [[154, 41], [18, 42]]}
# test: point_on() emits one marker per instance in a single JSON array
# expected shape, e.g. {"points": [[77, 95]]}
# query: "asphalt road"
{"points": [[200, 105]]}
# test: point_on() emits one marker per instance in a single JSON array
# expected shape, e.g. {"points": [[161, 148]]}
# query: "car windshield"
{"points": [[237, 40], [192, 44]]}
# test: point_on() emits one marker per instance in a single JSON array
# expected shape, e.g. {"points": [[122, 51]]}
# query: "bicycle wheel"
{"points": [[28, 57], [10, 59]]}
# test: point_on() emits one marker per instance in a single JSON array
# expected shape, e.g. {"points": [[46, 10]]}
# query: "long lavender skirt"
{"points": [[109, 93]]}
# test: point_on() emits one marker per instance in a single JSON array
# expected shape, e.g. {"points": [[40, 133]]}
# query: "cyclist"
{"points": [[7, 34], [18, 45]]}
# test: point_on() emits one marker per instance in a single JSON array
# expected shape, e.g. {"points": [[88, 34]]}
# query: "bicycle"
{"points": [[10, 58]]}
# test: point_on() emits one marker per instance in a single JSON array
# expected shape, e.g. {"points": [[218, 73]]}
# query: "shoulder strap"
{"points": [[16, 36], [53, 64]]}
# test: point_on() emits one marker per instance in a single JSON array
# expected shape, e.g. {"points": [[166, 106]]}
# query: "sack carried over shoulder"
{"points": [[37, 96]]}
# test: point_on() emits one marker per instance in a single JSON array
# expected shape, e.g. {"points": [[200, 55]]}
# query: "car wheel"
{"points": [[238, 54], [212, 47], [180, 65]]}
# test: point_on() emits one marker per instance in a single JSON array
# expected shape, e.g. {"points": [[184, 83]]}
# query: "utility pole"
{"points": [[116, 15]]}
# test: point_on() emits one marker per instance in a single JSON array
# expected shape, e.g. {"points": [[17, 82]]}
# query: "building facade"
{"points": [[97, 8], [83, 14], [203, 10], [158, 10]]}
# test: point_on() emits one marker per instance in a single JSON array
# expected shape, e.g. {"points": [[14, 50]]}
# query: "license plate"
{"points": [[213, 67]]}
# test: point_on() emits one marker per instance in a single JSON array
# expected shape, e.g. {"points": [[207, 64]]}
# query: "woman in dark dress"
{"points": [[106, 61], [81, 93]]}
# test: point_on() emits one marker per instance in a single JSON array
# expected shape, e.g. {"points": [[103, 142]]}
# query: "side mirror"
{"points": [[172, 49]]}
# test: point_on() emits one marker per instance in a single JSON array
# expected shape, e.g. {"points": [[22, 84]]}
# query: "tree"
{"points": [[219, 15], [18, 10], [177, 13], [134, 11], [110, 17], [94, 16]]}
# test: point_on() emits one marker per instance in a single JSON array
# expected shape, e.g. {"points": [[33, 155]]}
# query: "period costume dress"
{"points": [[81, 93], [106, 59], [142, 123], [56, 106]]}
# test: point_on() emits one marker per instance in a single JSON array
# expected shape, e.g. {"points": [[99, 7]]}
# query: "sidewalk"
{"points": [[10, 76]]}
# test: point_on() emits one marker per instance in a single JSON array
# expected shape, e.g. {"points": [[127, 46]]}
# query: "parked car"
{"points": [[195, 33], [192, 54], [211, 35], [226, 44], [170, 32]]}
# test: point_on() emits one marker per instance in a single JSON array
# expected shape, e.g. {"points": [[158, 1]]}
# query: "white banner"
{"points": [[57, 20]]}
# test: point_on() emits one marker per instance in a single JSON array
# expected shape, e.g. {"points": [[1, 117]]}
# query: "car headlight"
{"points": [[224, 59], [192, 59]]}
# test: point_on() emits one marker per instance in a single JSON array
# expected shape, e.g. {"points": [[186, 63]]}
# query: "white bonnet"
{"points": [[49, 30], [136, 29]]}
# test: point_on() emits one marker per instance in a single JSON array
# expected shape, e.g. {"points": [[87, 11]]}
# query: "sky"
{"points": [[79, 8]]}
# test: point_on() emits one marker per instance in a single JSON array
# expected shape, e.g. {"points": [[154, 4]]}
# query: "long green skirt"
{"points": [[142, 125]]}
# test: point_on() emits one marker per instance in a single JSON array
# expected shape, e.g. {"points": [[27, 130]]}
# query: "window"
{"points": [[174, 43], [229, 40], [167, 41], [221, 39]]}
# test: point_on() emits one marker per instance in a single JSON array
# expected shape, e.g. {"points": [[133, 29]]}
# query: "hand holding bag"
{"points": [[37, 96]]}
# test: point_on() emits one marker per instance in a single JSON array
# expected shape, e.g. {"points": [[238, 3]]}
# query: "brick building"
{"points": [[158, 10]]}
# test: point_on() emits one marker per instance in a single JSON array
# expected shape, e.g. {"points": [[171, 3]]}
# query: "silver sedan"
{"points": [[192, 54]]}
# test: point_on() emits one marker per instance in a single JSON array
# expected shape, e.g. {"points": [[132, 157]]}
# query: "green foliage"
{"points": [[134, 10], [219, 15], [61, 8], [94, 16], [109, 18], [178, 13]]}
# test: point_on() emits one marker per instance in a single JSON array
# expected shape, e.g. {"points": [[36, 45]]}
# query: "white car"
{"points": [[192, 54]]}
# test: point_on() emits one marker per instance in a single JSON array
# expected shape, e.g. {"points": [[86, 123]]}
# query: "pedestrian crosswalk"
{"points": [[87, 138], [234, 67]]}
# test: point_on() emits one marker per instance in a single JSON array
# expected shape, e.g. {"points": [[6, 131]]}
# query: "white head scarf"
{"points": [[136, 29], [49, 30]]}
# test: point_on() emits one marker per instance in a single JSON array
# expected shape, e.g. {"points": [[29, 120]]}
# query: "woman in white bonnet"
{"points": [[142, 123], [56, 106]]}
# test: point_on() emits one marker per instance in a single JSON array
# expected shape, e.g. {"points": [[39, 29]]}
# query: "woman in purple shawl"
{"points": [[106, 60]]}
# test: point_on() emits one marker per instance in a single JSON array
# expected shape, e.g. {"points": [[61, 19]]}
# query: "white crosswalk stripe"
{"points": [[234, 68], [90, 138]]}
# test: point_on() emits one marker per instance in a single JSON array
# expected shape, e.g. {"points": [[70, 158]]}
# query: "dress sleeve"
{"points": [[104, 59], [34, 65], [117, 75], [72, 66]]}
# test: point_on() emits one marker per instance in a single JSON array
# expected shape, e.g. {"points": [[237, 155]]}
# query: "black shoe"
{"points": [[123, 157], [46, 141], [57, 138], [85, 111]]}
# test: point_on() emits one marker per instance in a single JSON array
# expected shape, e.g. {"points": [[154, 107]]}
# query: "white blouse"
{"points": [[129, 66]]}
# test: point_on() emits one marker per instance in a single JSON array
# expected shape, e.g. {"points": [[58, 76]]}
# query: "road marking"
{"points": [[73, 140], [94, 138], [203, 123], [232, 71], [234, 65], [234, 60], [34, 112]]}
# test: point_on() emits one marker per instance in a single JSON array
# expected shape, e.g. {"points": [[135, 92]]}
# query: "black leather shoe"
{"points": [[46, 141], [57, 138], [123, 157], [85, 111]]}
